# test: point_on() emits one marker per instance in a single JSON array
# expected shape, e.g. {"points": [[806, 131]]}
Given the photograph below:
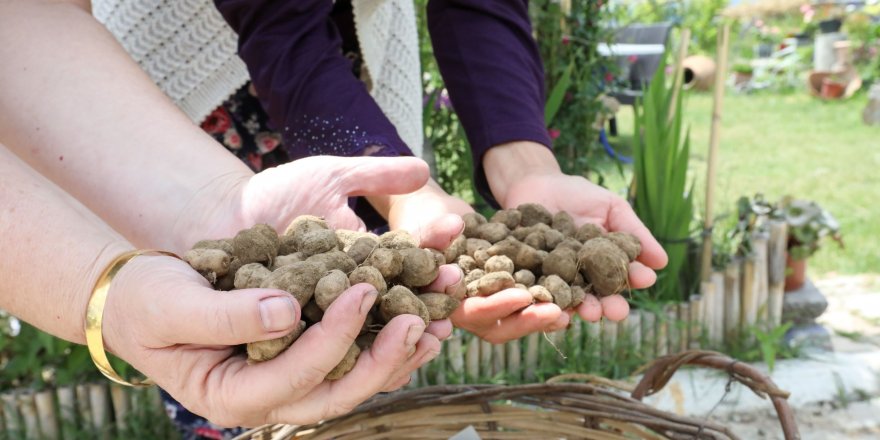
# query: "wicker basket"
{"points": [[556, 409]]}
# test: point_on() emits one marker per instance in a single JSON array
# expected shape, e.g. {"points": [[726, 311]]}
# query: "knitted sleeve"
{"points": [[293, 53], [491, 66]]}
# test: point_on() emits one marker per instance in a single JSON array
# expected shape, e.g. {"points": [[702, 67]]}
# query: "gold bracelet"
{"points": [[95, 315]]}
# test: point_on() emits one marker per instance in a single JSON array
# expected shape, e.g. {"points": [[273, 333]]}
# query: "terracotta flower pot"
{"points": [[741, 78], [795, 273], [832, 89]]}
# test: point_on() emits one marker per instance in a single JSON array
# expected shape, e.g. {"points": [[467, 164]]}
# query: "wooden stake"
{"points": [[717, 322], [707, 292], [485, 359], [472, 359], [83, 405], [456, 357], [439, 370], [732, 299], [10, 413], [609, 338], [649, 334], [673, 334], [119, 397], [776, 268], [594, 344], [499, 352], [514, 360], [67, 409], [633, 325], [100, 408], [28, 410], [749, 294], [532, 352], [696, 331], [762, 288], [714, 137], [45, 403], [684, 319], [661, 346]]}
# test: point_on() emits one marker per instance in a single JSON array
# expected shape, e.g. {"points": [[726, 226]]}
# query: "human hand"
{"points": [[166, 321], [318, 185], [435, 218], [524, 172]]}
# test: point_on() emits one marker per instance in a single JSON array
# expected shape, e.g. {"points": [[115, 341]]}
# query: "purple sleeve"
{"points": [[293, 53], [492, 69]]}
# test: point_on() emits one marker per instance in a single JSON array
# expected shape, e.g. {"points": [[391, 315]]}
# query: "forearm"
{"points": [[509, 163], [54, 249], [293, 53], [81, 112], [491, 66]]}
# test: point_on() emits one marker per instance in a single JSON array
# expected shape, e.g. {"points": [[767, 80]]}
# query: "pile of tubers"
{"points": [[531, 249], [527, 248], [315, 264]]}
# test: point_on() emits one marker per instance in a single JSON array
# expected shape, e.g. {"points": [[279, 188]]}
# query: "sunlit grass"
{"points": [[780, 144]]}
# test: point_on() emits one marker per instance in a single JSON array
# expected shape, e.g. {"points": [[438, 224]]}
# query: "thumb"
{"points": [[204, 316], [366, 176], [176, 305]]}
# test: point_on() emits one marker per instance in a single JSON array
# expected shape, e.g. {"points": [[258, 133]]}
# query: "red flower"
{"points": [[609, 77], [256, 161], [217, 122], [554, 133], [210, 433], [267, 142], [232, 139], [632, 58], [566, 39]]}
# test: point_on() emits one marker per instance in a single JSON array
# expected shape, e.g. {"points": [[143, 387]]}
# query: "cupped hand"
{"points": [[540, 181], [318, 185], [435, 217], [166, 320]]}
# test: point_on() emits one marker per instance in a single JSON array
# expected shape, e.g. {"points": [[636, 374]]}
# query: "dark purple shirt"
{"points": [[485, 50]]}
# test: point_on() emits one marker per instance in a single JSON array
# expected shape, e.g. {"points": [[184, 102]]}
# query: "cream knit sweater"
{"points": [[190, 53]]}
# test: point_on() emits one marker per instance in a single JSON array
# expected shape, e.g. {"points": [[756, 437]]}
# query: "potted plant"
{"points": [[808, 226], [742, 74], [833, 87]]}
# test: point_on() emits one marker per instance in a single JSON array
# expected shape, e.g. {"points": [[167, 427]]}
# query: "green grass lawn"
{"points": [[780, 144]]}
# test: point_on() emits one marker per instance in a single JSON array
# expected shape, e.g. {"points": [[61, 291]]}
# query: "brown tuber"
{"points": [[627, 242], [388, 261], [399, 301], [533, 213], [346, 364], [299, 279], [361, 249], [507, 217], [472, 222], [604, 265], [419, 267], [267, 350], [440, 305], [499, 263], [398, 240], [251, 276], [494, 282], [369, 275], [329, 287], [212, 263]]}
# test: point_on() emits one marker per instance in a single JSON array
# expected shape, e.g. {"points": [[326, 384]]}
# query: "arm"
{"points": [[293, 53], [491, 66], [159, 312]]}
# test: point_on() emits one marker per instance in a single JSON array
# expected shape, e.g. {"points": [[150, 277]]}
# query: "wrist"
{"points": [[214, 211], [106, 255], [508, 163]]}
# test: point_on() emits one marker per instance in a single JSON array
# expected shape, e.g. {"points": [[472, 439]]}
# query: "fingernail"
{"points": [[411, 352], [277, 313], [368, 301], [413, 334], [429, 356]]}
